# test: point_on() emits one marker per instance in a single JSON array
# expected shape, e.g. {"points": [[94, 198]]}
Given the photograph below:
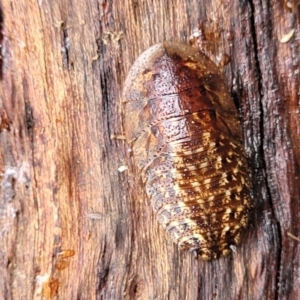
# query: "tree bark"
{"points": [[73, 226]]}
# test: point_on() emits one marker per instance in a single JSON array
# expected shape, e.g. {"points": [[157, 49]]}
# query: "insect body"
{"points": [[186, 139]]}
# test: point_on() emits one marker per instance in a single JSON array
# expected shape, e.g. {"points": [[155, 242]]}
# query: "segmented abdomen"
{"points": [[187, 142]]}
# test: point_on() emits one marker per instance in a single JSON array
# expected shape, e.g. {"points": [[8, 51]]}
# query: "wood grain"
{"points": [[63, 66]]}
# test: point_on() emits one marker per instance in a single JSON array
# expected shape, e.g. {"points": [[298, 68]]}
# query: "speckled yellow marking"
{"points": [[187, 144]]}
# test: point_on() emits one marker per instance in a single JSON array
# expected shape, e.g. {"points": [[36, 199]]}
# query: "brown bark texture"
{"points": [[74, 227]]}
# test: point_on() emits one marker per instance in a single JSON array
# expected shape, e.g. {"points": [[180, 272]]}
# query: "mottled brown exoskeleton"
{"points": [[186, 140]]}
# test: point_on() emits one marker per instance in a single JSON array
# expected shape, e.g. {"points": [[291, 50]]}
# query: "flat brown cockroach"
{"points": [[186, 140]]}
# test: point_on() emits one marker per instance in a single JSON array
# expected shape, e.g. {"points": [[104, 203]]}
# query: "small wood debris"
{"points": [[293, 236], [117, 137], [66, 253], [114, 36], [58, 24], [95, 57], [287, 36], [122, 169], [94, 216]]}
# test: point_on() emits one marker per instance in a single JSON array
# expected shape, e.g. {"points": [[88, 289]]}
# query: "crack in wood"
{"points": [[65, 49]]}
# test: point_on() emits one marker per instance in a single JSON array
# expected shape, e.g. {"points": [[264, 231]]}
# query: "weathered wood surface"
{"points": [[71, 225]]}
